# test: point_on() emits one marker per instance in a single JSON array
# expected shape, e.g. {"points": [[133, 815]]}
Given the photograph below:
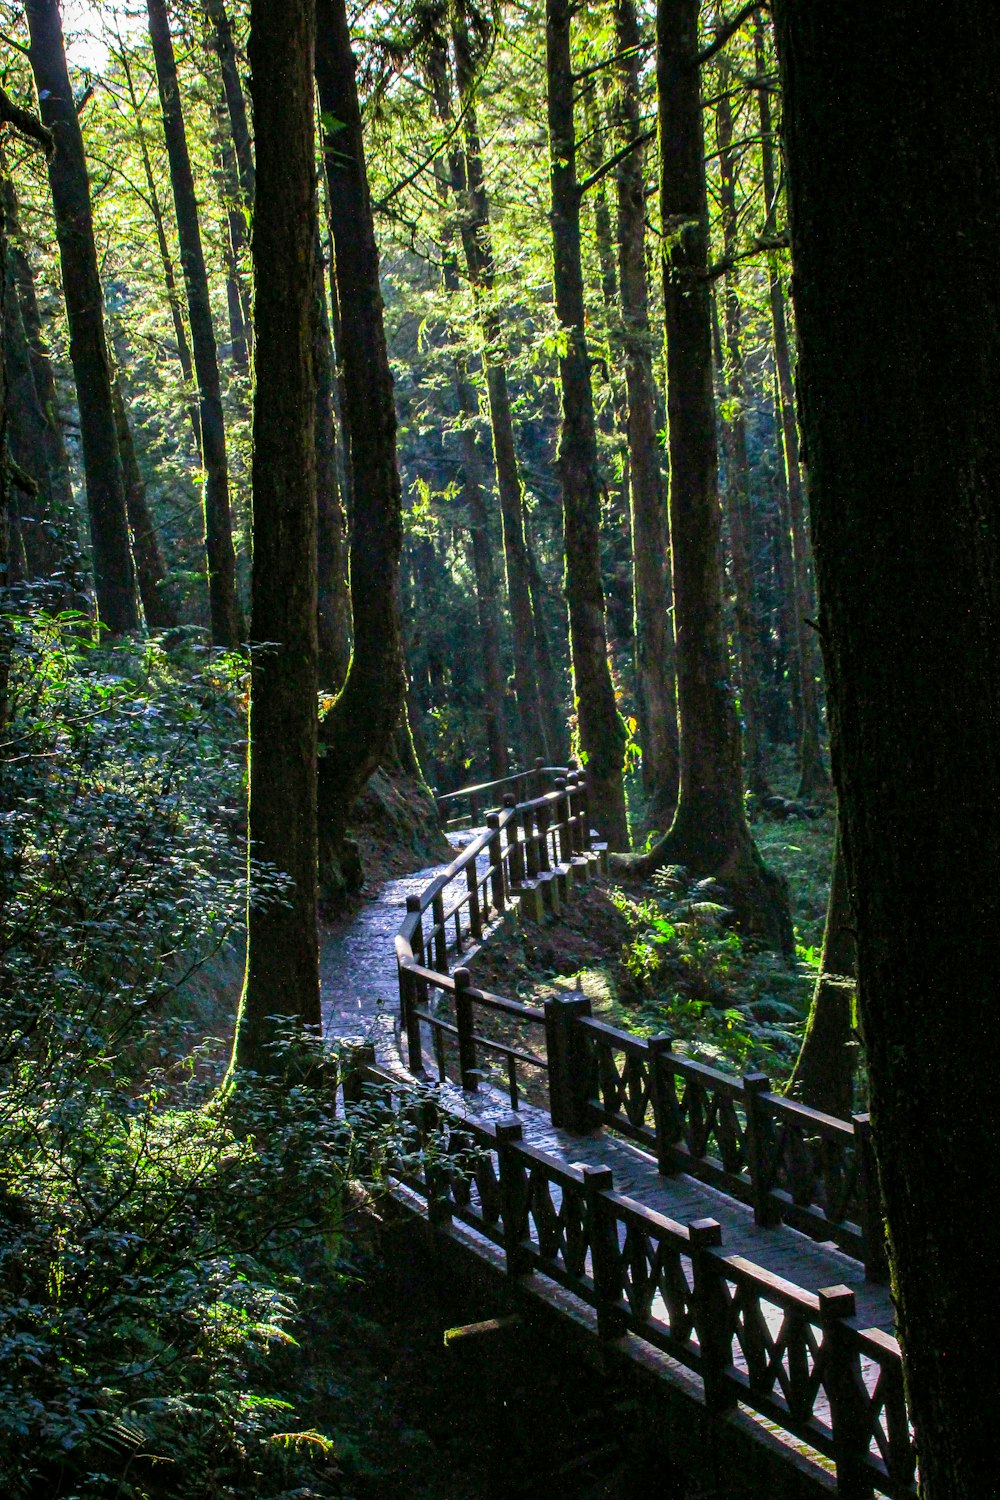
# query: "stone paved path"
{"points": [[358, 981], [360, 1000]]}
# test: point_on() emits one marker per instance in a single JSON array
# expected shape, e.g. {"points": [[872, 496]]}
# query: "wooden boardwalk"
{"points": [[677, 1205], [360, 989]]}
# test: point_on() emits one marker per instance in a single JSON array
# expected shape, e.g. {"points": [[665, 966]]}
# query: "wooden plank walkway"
{"points": [[359, 979]]}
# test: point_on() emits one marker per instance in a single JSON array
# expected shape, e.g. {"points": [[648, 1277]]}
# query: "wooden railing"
{"points": [[791, 1164], [467, 807], [797, 1358]]}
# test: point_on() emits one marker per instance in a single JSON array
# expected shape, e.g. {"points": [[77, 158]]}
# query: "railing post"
{"points": [[466, 1035], [765, 1210], [474, 808], [411, 1024], [530, 845], [569, 1060], [573, 807], [539, 779], [844, 1386], [512, 1196], [543, 818], [584, 814], [496, 863], [872, 1224], [605, 1256], [711, 1316], [515, 849], [475, 916], [664, 1101], [440, 936], [562, 819]]}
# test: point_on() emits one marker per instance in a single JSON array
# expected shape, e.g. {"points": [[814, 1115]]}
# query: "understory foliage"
{"points": [[153, 1227], [685, 970]]}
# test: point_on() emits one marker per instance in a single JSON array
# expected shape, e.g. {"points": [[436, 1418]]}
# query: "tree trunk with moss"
{"points": [[709, 834], [814, 780], [333, 601], [657, 699], [361, 723], [114, 577], [739, 508], [823, 1076], [281, 986], [227, 621], [894, 185], [600, 729]]}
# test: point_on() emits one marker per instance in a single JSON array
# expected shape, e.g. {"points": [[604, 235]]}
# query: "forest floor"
{"points": [[657, 957]]}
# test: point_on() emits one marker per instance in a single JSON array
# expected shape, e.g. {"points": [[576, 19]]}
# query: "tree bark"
{"points": [[364, 717], [56, 456], [740, 515], [709, 833], [477, 245], [894, 183], [39, 523], [333, 617], [450, 181], [282, 970], [823, 1076], [814, 781], [600, 728], [225, 49], [228, 627], [114, 578], [166, 259], [657, 700], [151, 570]]}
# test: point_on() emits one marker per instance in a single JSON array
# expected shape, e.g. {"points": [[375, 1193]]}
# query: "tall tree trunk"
{"points": [[487, 594], [556, 725], [282, 970], [894, 184], [43, 526], [600, 728], [709, 833], [613, 419], [361, 724], [814, 782], [823, 1076], [741, 539], [477, 244], [225, 48], [333, 599], [657, 700], [166, 259], [227, 622], [114, 578], [234, 237], [41, 368], [151, 570]]}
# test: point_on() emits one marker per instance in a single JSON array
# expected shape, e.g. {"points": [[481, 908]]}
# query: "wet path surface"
{"points": [[361, 1000], [358, 977]]}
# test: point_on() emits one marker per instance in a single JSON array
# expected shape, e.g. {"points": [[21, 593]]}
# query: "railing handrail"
{"points": [[822, 1396], [769, 1155]]}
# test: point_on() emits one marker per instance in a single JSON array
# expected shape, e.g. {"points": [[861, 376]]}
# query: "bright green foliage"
{"points": [[151, 1230]]}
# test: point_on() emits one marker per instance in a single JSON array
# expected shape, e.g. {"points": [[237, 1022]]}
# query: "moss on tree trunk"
{"points": [[282, 971]]}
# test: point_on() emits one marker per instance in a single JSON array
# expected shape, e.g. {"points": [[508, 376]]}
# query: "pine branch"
{"points": [[729, 29]]}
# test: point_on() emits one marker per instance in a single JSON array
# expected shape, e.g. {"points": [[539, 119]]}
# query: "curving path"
{"points": [[358, 977]]}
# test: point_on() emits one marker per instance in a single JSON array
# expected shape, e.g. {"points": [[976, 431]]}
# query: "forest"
{"points": [[527, 464]]}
